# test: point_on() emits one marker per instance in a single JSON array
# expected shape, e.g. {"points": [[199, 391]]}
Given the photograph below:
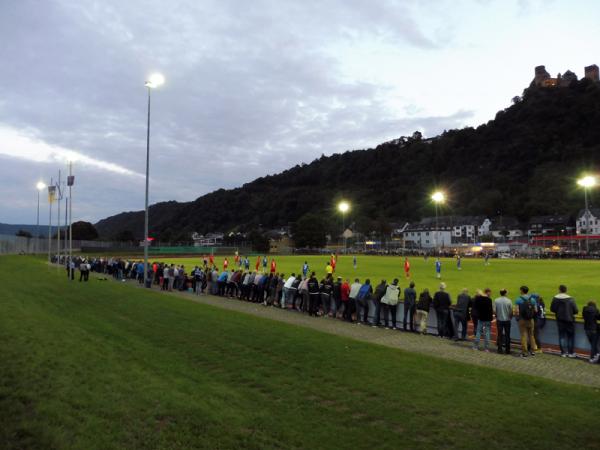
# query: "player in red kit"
{"points": [[406, 268], [273, 266]]}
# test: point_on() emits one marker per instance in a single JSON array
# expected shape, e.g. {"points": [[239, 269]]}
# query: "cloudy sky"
{"points": [[252, 87]]}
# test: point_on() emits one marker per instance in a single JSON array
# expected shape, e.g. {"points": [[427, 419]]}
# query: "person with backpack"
{"points": [[422, 312], [591, 315], [565, 308], [378, 295], [365, 293], [525, 311], [390, 303]]}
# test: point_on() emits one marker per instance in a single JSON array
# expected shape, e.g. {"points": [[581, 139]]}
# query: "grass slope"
{"points": [[542, 276], [102, 365]]}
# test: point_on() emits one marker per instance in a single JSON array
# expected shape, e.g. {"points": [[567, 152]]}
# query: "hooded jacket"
{"points": [[391, 295], [564, 307]]}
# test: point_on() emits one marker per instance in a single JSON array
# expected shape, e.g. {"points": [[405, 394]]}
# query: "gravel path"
{"points": [[574, 371]]}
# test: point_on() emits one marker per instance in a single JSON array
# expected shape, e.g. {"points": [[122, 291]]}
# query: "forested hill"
{"points": [[522, 163]]}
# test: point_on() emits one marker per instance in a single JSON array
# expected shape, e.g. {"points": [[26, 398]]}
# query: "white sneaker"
{"points": [[572, 355]]}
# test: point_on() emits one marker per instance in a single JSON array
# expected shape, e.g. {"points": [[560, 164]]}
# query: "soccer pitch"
{"points": [[541, 276]]}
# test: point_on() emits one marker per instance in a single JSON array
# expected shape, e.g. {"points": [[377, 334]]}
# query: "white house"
{"points": [[429, 234], [588, 221]]}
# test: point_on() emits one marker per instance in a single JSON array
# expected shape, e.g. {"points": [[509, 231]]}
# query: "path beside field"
{"points": [[575, 371]]}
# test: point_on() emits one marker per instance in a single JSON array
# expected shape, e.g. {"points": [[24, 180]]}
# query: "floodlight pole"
{"points": [[436, 228], [49, 224], [37, 226], [147, 188], [587, 222], [344, 229], [58, 219], [70, 183]]}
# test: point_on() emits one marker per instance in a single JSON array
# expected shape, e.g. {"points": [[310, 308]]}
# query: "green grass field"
{"points": [[542, 276], [103, 365]]}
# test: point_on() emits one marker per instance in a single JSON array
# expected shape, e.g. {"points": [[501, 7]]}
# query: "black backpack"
{"points": [[527, 309]]}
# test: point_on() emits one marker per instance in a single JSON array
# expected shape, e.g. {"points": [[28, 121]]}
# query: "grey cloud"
{"points": [[250, 90]]}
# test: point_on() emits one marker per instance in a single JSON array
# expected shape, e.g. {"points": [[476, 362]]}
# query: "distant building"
{"points": [[550, 225], [446, 231], [541, 75], [507, 228], [588, 222], [207, 240]]}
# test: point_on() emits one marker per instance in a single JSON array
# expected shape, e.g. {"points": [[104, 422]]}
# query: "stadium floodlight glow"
{"points": [[344, 207], [587, 181], [438, 197], [155, 80], [40, 185]]}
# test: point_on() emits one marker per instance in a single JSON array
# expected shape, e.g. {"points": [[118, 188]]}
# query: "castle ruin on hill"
{"points": [[543, 79]]}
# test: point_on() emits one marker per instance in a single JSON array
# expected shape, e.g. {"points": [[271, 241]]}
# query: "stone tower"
{"points": [[591, 72], [540, 75]]}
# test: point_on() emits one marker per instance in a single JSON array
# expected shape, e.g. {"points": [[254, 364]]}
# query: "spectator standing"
{"points": [[365, 294], [390, 303], [503, 309], [485, 312], [441, 304], [314, 293], [345, 298], [423, 306], [565, 309], [526, 309], [461, 314], [410, 304], [590, 319], [352, 301], [377, 296]]}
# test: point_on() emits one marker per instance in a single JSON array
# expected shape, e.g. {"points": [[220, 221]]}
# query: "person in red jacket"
{"points": [[345, 296]]}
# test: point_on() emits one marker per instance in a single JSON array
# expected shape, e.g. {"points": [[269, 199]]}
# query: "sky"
{"points": [[252, 87]]}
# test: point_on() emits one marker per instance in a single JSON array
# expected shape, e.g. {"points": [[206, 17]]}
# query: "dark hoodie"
{"points": [[564, 307]]}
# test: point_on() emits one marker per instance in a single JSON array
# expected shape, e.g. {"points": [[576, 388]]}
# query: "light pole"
{"points": [[153, 82], [437, 197], [51, 196], [344, 207], [40, 186], [586, 183]]}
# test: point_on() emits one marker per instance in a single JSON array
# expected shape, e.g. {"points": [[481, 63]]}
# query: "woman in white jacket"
{"points": [[390, 303]]}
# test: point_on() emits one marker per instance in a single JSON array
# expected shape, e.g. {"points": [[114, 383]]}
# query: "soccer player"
{"points": [[305, 269], [265, 261], [406, 268], [329, 268], [354, 261], [487, 259], [273, 265], [225, 264], [458, 262], [211, 258], [438, 268], [257, 265]]}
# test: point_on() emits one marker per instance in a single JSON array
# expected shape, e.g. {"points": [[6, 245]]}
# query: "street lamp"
{"points": [[154, 81], [40, 186], [586, 183], [344, 207], [438, 198]]}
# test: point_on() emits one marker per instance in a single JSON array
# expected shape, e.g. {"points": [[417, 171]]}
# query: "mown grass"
{"points": [[541, 276], [102, 365]]}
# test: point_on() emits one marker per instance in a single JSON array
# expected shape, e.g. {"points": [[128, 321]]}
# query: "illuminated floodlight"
{"points": [[40, 185], [438, 197], [587, 181], [344, 207], [155, 80]]}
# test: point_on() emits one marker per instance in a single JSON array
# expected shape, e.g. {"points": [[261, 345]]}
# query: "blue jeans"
{"points": [[482, 324]]}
